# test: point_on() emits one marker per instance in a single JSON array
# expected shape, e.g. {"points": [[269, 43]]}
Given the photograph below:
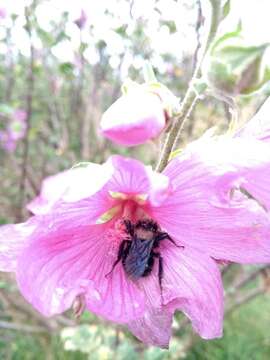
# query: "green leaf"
{"points": [[175, 153], [238, 57], [226, 9], [200, 86], [230, 35], [235, 68], [66, 68], [170, 24], [121, 30], [148, 73], [221, 77], [60, 37], [82, 164], [45, 37], [260, 84]]}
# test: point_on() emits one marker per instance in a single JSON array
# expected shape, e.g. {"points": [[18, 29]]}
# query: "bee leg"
{"points": [[129, 227], [124, 246], [160, 271], [163, 236]]}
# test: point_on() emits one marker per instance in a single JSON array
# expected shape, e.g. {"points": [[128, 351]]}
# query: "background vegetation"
{"points": [[56, 79]]}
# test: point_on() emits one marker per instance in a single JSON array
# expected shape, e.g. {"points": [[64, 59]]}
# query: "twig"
{"points": [[199, 23], [226, 269], [16, 307], [244, 300], [10, 77], [21, 327], [29, 110], [191, 95], [249, 277]]}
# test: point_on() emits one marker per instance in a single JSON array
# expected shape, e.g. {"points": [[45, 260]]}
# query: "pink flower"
{"points": [[6, 142], [17, 125], [69, 248], [15, 130], [82, 19], [3, 13], [259, 125], [134, 118]]}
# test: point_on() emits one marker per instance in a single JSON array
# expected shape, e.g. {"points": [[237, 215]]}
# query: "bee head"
{"points": [[146, 229]]}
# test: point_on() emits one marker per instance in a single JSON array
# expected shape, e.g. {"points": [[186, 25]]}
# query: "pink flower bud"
{"points": [[134, 118]]}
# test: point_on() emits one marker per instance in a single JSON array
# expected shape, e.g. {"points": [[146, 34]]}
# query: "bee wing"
{"points": [[136, 261]]}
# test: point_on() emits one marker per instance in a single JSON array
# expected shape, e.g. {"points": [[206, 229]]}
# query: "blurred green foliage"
{"points": [[67, 97], [246, 336]]}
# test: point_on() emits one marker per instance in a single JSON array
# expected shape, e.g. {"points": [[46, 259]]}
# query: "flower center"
{"points": [[129, 206]]}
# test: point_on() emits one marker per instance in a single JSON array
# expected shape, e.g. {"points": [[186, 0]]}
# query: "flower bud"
{"points": [[140, 114], [134, 118]]}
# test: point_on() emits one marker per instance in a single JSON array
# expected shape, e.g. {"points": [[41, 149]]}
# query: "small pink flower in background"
{"points": [[134, 118], [82, 19], [17, 125], [69, 248], [3, 13], [7, 143], [15, 130]]}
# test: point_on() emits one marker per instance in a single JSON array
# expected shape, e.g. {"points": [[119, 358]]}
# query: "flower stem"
{"points": [[191, 95]]}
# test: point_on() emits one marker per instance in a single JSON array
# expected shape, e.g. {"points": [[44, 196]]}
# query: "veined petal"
{"points": [[70, 186], [192, 283], [61, 264], [247, 157], [132, 178], [90, 192], [129, 176], [154, 328], [208, 209], [13, 239]]}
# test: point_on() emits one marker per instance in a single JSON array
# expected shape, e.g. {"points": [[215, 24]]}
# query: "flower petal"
{"points": [[70, 186], [192, 283], [154, 328], [131, 177], [247, 157], [259, 126], [208, 209], [62, 263], [13, 239], [90, 192]]}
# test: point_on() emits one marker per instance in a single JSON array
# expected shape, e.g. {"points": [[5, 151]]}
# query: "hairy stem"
{"points": [[190, 98]]}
